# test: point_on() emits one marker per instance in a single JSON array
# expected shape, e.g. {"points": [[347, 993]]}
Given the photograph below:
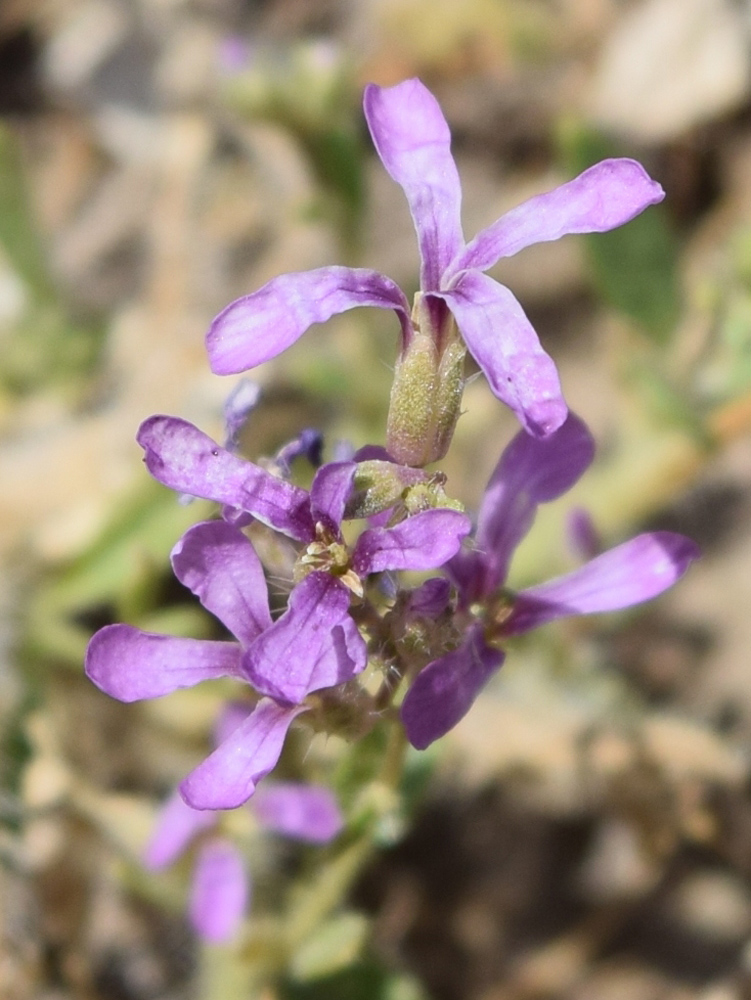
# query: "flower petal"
{"points": [[531, 471], [605, 196], [445, 690], [187, 460], [430, 599], [282, 662], [257, 327], [329, 492], [175, 828], [628, 574], [219, 891], [342, 656], [129, 664], [231, 716], [504, 344], [228, 777], [423, 541], [218, 563], [304, 812], [414, 144]]}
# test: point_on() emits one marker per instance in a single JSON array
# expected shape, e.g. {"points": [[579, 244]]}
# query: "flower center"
{"points": [[328, 554]]}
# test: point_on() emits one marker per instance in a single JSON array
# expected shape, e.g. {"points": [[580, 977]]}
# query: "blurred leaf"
{"points": [[635, 267], [335, 945], [364, 981], [18, 232], [309, 93], [46, 348]]}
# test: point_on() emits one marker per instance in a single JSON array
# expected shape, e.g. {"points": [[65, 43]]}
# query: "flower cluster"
{"points": [[355, 631]]}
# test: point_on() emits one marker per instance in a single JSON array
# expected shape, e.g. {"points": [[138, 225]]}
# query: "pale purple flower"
{"points": [[531, 471], [220, 885], [412, 139], [314, 644]]}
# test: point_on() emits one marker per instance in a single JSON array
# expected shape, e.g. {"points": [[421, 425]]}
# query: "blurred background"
{"points": [[586, 833]]}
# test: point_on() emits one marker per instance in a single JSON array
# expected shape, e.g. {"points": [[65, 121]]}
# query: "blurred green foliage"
{"points": [[633, 268], [46, 344]]}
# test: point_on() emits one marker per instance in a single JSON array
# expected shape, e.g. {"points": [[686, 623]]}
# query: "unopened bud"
{"points": [[378, 485], [427, 390]]}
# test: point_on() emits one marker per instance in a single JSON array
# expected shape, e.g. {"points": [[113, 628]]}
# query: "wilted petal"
{"points": [[342, 656], [129, 664], [282, 661], [238, 406], [187, 460], [257, 327], [329, 492], [305, 812], [628, 574], [219, 891], [414, 143], [176, 826], [444, 691], [228, 777], [531, 471], [218, 563], [603, 197], [423, 541], [504, 344]]}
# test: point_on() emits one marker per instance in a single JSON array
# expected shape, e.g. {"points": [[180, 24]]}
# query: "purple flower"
{"points": [[413, 141], [220, 886], [314, 644], [531, 471]]}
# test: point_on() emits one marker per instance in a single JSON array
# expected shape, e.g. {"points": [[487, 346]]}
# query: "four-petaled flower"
{"points": [[315, 644], [412, 139], [220, 885], [530, 472]]}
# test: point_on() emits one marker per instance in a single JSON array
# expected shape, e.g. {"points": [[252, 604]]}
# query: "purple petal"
{"points": [[219, 891], [582, 535], [231, 716], [372, 452], [531, 471], [430, 599], [218, 563], [257, 327], [228, 777], [282, 662], [176, 826], [130, 665], [329, 492], [414, 143], [342, 656], [304, 812], [445, 690], [504, 344], [308, 444], [628, 574], [187, 460], [605, 196], [423, 541]]}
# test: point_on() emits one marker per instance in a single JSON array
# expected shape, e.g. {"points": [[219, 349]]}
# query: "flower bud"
{"points": [[428, 385]]}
